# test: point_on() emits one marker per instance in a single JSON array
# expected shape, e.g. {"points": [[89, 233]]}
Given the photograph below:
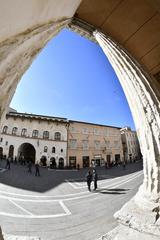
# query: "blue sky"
{"points": [[72, 78]]}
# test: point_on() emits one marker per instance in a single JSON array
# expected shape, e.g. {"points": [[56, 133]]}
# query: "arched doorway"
{"points": [[43, 161], [27, 151], [61, 163], [53, 163], [11, 151]]}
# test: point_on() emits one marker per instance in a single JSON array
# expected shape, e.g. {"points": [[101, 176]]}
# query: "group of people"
{"points": [[92, 176], [37, 172], [29, 166]]}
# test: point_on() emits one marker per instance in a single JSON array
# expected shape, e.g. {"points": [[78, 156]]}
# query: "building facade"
{"points": [[131, 148], [58, 142], [93, 144], [38, 138]]}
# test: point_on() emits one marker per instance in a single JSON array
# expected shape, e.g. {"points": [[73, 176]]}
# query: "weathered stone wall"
{"points": [[23, 37]]}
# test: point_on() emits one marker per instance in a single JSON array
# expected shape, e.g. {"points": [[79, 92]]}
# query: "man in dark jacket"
{"points": [[95, 178], [89, 179], [37, 173]]}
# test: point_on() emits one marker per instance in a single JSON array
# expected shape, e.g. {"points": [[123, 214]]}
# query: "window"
{"points": [[24, 131], [85, 144], [85, 130], [46, 135], [72, 161], [6, 143], [61, 149], [35, 133], [1, 139], [53, 149], [96, 131], [45, 149], [73, 143], [106, 132], [57, 136], [107, 143], [5, 128], [116, 144], [14, 130], [73, 130], [97, 144]]}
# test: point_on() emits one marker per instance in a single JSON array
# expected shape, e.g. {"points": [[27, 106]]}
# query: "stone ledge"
{"points": [[14, 237], [125, 233], [139, 219]]}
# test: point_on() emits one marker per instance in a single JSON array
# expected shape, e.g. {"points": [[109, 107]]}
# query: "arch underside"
{"points": [[136, 77]]}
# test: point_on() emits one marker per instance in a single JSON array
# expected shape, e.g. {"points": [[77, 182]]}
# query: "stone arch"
{"points": [[144, 102], [27, 151], [11, 152], [43, 160], [143, 98], [53, 163], [61, 162]]}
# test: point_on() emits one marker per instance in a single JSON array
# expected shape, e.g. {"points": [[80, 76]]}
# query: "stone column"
{"points": [[144, 100]]}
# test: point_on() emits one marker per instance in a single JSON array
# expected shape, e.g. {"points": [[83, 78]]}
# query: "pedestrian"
{"points": [[8, 164], [23, 160], [95, 178], [30, 166], [37, 173], [124, 165], [78, 166], [15, 160], [89, 179]]}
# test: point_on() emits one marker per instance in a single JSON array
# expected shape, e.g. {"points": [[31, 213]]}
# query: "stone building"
{"points": [[131, 148], [35, 137], [93, 144], [120, 28]]}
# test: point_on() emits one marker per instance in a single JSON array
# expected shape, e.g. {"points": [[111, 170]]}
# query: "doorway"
{"points": [[27, 151]]}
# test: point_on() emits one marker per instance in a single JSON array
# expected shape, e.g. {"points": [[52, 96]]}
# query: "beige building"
{"points": [[131, 148], [93, 144]]}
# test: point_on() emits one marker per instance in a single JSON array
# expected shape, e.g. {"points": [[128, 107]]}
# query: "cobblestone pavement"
{"points": [[57, 205]]}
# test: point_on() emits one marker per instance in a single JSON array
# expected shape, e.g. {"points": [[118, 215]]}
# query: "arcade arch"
{"points": [[27, 151], [11, 152]]}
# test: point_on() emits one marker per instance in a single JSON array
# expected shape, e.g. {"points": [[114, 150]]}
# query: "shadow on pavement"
{"points": [[19, 177], [112, 191]]}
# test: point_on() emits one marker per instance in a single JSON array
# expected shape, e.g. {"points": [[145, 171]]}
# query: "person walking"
{"points": [[30, 166], [8, 164], [95, 178], [37, 173], [78, 166], [89, 179], [124, 165]]}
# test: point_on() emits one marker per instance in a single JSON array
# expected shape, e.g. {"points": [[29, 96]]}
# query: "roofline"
{"points": [[43, 117], [95, 124], [20, 114]]}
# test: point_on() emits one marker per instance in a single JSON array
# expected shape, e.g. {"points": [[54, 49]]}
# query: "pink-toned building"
{"points": [[93, 144]]}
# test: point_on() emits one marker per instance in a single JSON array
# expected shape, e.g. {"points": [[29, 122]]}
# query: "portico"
{"points": [[129, 34]]}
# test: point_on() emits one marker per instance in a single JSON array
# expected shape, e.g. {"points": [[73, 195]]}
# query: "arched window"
{"points": [[46, 135], [57, 136], [5, 128], [24, 131], [45, 148], [53, 149], [35, 133], [14, 130]]}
